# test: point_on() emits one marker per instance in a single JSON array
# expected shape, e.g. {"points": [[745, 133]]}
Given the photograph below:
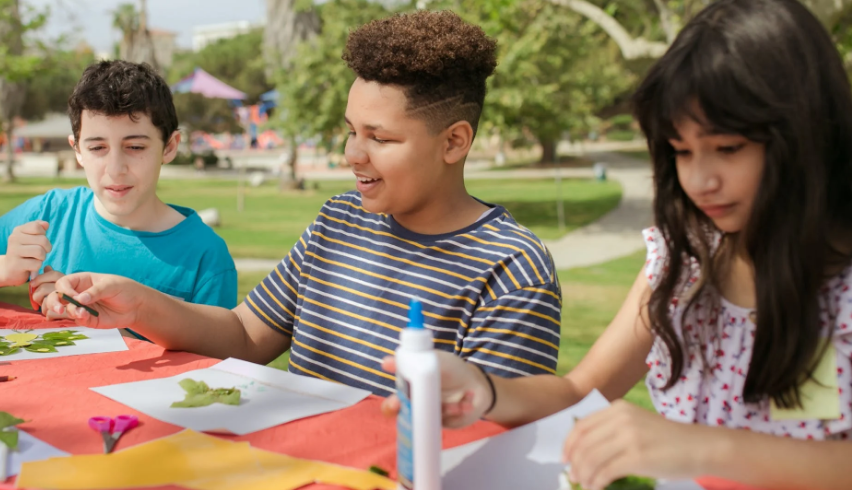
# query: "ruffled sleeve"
{"points": [[656, 259], [840, 297]]}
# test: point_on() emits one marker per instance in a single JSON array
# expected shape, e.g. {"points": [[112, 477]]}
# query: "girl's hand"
{"points": [[627, 440], [465, 394]]}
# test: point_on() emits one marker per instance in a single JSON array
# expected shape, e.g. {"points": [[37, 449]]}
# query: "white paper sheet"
{"points": [[527, 457], [269, 397], [30, 449], [99, 341]]}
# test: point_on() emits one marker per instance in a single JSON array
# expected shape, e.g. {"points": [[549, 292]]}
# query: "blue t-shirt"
{"points": [[189, 261]]}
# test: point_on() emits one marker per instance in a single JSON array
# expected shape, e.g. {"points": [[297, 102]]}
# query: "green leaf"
{"points": [[8, 351], [198, 394], [9, 438], [40, 347], [56, 342], [379, 471], [9, 420]]}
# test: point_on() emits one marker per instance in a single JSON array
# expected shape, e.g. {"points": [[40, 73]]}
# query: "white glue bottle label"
{"points": [[418, 426]]}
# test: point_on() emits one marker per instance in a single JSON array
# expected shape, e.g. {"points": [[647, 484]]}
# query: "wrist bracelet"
{"points": [[490, 385]]}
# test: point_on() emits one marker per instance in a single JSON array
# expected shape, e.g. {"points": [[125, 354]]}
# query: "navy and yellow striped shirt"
{"points": [[489, 294]]}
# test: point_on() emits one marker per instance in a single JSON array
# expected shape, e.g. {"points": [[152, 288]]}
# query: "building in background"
{"points": [[208, 34]]}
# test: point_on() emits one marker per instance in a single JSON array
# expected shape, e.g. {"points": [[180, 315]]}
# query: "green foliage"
{"points": [[314, 89], [621, 121], [44, 343], [9, 438], [198, 394], [49, 91], [20, 53], [237, 61], [556, 68], [621, 135]]}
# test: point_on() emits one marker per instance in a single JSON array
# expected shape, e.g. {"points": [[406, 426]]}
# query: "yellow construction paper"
{"points": [[193, 460], [820, 396], [281, 472], [185, 456]]}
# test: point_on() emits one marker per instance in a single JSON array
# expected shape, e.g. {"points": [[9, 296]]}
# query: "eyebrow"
{"points": [[130, 137], [371, 127]]}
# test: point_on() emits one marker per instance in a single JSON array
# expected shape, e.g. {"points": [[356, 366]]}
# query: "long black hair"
{"points": [[766, 70]]}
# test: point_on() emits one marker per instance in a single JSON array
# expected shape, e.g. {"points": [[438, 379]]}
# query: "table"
{"points": [[54, 396]]}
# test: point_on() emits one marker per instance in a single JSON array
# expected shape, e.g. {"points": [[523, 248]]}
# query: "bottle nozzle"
{"points": [[415, 314]]}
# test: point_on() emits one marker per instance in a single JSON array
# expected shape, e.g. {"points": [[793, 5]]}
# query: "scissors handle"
{"points": [[123, 423], [101, 424]]}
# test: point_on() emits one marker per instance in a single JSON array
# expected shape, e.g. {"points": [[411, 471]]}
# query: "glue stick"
{"points": [[418, 425]]}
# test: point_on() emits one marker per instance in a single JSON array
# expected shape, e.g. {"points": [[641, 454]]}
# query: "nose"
{"points": [[116, 165], [703, 176], [355, 155]]}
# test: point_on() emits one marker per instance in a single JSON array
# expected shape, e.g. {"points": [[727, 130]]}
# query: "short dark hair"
{"points": [[439, 60], [116, 88]]}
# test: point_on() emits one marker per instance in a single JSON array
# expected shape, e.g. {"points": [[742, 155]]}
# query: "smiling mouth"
{"points": [[367, 181]]}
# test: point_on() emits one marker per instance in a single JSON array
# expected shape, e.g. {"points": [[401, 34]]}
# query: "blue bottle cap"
{"points": [[415, 314]]}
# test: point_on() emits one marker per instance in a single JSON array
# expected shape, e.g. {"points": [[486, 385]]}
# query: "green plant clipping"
{"points": [[379, 471], [198, 394], [42, 344], [9, 437]]}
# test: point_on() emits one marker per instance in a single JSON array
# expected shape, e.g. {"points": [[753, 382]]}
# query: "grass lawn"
{"points": [[272, 221]]}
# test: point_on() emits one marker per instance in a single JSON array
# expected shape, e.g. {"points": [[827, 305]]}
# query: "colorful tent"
{"points": [[201, 82]]}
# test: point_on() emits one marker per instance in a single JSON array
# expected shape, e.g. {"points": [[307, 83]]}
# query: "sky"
{"points": [[91, 20]]}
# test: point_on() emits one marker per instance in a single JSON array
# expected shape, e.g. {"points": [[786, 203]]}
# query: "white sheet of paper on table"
{"points": [[269, 397], [99, 341], [527, 457], [30, 449]]}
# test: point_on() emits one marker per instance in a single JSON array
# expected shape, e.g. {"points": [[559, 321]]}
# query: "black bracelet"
{"points": [[491, 385]]}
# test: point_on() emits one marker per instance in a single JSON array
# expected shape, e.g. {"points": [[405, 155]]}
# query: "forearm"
{"points": [[202, 329], [776, 462], [524, 400]]}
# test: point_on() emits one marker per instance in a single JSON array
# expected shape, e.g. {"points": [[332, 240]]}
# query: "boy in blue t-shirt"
{"points": [[125, 128]]}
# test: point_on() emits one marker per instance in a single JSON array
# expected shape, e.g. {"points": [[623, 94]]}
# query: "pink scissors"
{"points": [[112, 429]]}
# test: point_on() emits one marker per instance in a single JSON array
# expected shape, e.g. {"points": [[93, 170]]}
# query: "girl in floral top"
{"points": [[742, 315]]}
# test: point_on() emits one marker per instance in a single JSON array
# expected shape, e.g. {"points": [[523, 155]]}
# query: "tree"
{"points": [[136, 44], [237, 61], [314, 87], [288, 23], [19, 63], [670, 15], [49, 91], [556, 69]]}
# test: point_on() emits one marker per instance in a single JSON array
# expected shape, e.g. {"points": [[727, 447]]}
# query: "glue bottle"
{"points": [[418, 425]]}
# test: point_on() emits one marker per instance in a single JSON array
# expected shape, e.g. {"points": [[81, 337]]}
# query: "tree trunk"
{"points": [[548, 151], [285, 29], [289, 180], [10, 153]]}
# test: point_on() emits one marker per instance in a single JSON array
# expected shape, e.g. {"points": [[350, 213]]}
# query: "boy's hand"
{"points": [[116, 299], [26, 250], [465, 394], [44, 293]]}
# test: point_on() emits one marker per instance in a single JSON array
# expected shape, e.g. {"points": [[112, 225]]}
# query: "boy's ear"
{"points": [[171, 148], [458, 142], [77, 154]]}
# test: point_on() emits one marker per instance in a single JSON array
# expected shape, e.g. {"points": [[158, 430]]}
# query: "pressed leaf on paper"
{"points": [[41, 344], [21, 339], [198, 394], [9, 438], [42, 347]]}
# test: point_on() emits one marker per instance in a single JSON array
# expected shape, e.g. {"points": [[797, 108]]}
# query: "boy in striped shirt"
{"points": [[339, 299]]}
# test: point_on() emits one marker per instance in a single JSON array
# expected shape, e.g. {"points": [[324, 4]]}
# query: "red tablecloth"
{"points": [[54, 396]]}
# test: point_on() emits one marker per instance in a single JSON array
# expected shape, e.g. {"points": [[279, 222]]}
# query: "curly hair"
{"points": [[117, 88], [439, 60]]}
